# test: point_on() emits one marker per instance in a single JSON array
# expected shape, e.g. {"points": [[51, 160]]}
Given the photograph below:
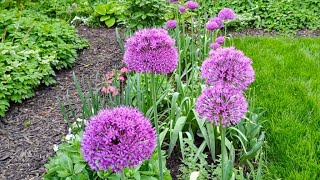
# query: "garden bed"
{"points": [[29, 130]]}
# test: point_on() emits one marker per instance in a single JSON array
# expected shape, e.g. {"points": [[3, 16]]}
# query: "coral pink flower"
{"points": [[109, 75], [103, 90], [113, 90], [124, 70], [121, 78]]}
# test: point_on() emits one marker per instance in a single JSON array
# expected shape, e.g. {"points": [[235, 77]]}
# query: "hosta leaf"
{"points": [[104, 18], [101, 9], [110, 22]]}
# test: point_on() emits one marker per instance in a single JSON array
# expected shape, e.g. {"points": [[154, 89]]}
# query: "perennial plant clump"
{"points": [[219, 103], [228, 67], [118, 138], [151, 51]]}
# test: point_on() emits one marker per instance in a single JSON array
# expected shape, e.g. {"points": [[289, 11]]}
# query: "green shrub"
{"points": [[110, 13], [281, 15], [147, 13], [32, 46]]}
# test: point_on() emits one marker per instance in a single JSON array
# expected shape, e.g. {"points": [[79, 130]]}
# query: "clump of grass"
{"points": [[288, 86]]}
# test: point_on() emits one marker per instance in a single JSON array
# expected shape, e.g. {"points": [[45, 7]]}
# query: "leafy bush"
{"points": [[147, 13], [32, 46], [110, 13]]}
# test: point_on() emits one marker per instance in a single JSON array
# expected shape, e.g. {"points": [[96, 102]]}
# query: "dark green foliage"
{"points": [[32, 46], [147, 13], [110, 13], [278, 15]]}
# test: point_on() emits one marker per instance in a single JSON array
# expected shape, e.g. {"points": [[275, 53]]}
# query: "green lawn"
{"points": [[288, 86]]}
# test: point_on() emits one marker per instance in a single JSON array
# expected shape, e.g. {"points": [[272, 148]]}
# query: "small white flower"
{"points": [[79, 120], [194, 175], [69, 131], [55, 148], [69, 137]]}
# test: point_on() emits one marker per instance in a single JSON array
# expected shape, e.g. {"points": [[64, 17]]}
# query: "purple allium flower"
{"points": [[214, 23], [215, 46], [151, 51], [219, 103], [226, 13], [171, 24], [117, 138], [220, 40], [229, 68], [212, 26], [192, 5], [218, 21], [182, 9], [173, 1]]}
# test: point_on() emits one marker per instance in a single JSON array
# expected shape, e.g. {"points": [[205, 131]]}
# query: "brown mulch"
{"points": [[29, 130]]}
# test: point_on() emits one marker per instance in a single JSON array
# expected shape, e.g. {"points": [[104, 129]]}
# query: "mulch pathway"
{"points": [[30, 129]]}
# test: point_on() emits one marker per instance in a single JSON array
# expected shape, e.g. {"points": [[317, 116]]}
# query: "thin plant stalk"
{"points": [[122, 175], [154, 104], [223, 149], [178, 35]]}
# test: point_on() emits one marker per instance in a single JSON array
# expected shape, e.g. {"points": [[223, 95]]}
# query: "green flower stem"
{"points": [[223, 149], [122, 175], [178, 35], [154, 104]]}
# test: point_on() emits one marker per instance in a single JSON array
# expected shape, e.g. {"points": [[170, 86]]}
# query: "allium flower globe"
{"points": [[192, 5], [171, 24], [151, 51], [226, 14], [182, 9], [214, 23], [228, 67], [118, 138], [215, 46], [218, 103], [212, 26], [220, 40]]}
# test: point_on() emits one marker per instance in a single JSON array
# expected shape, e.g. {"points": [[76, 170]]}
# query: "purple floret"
{"points": [[228, 67], [215, 46], [214, 23], [171, 24], [151, 51], [182, 9], [218, 103], [118, 138], [192, 5], [220, 40], [226, 14]]}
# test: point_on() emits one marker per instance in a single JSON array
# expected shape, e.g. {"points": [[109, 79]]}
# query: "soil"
{"points": [[29, 130]]}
